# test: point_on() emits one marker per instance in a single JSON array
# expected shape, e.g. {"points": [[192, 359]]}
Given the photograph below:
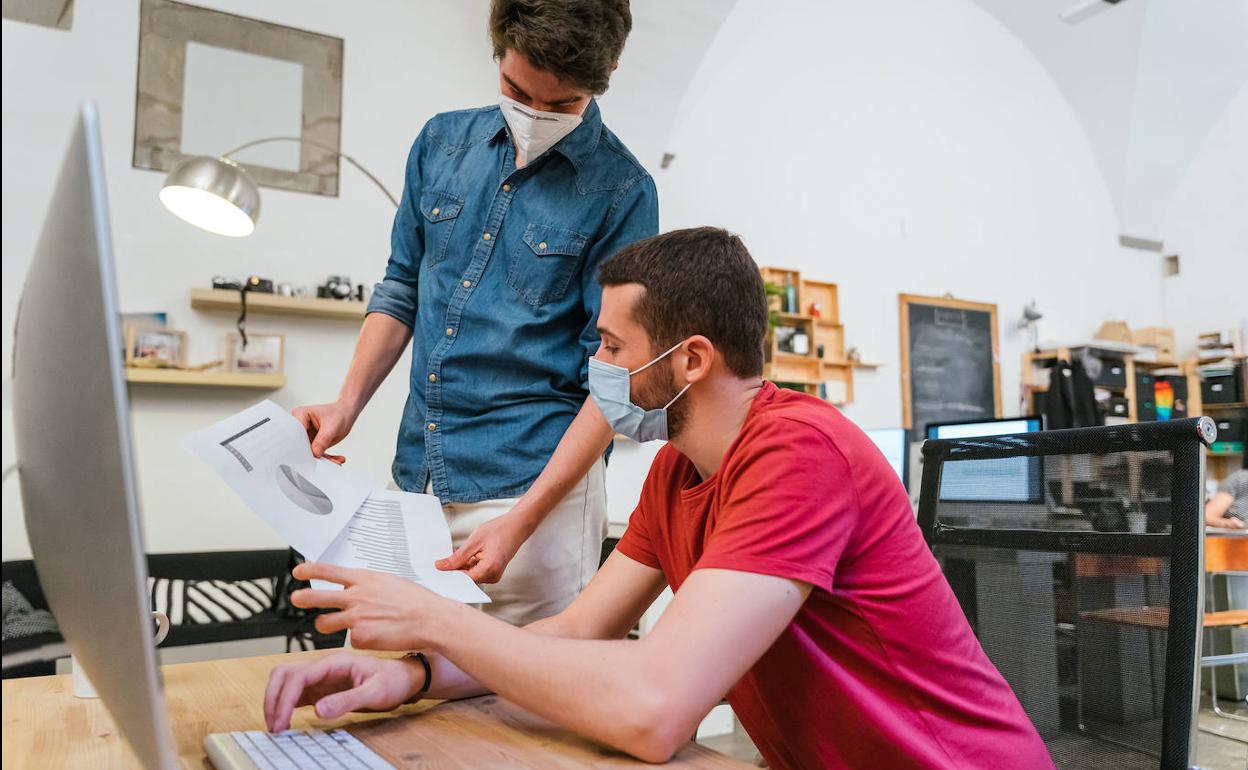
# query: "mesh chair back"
{"points": [[1077, 557]]}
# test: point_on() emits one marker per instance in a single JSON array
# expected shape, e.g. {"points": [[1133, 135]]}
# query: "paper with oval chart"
{"points": [[324, 511]]}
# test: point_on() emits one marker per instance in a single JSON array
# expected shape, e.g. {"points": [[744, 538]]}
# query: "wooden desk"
{"points": [[1159, 617], [46, 726]]}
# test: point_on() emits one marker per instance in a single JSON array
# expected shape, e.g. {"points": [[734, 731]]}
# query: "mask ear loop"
{"points": [[655, 361], [688, 385]]}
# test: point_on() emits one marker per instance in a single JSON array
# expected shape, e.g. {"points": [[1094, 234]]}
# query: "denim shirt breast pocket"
{"points": [[543, 263], [440, 210]]}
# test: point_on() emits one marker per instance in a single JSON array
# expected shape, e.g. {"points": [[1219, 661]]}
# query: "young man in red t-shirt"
{"points": [[803, 588]]}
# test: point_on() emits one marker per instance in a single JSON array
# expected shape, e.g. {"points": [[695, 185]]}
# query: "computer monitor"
{"points": [[1009, 479], [894, 444], [71, 420]]}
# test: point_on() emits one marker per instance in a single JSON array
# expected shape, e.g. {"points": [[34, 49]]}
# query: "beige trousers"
{"points": [[555, 563]]}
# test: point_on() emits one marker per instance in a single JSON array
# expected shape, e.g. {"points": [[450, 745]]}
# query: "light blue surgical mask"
{"points": [[609, 387]]}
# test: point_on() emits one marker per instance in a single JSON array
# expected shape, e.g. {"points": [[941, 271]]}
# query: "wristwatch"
{"points": [[424, 661]]}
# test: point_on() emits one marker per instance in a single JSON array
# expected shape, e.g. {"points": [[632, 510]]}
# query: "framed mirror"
{"points": [[57, 14], [209, 82]]}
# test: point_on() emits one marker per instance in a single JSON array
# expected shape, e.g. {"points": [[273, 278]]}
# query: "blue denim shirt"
{"points": [[495, 269]]}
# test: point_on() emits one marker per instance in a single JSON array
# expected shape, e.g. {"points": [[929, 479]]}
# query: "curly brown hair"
{"points": [[577, 40]]}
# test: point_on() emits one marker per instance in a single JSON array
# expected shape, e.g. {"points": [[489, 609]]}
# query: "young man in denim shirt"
{"points": [[507, 213]]}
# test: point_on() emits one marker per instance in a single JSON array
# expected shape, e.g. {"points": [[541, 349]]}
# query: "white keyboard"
{"points": [[291, 750]]}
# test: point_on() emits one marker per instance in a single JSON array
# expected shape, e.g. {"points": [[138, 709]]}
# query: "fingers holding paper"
{"points": [[326, 424], [383, 612], [489, 549]]}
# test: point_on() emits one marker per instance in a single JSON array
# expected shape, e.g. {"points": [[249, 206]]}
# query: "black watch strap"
{"points": [[424, 661]]}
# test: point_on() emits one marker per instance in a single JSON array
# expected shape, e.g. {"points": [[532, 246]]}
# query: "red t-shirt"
{"points": [[879, 668]]}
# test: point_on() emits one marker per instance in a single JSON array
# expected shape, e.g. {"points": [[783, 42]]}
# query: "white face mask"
{"points": [[534, 131]]}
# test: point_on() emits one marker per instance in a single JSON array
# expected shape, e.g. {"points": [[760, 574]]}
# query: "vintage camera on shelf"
{"points": [[339, 287], [253, 283]]}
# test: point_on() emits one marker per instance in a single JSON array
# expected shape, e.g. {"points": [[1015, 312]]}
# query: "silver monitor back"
{"points": [[72, 428]]}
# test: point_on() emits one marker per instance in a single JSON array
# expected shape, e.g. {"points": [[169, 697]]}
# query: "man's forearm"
{"points": [[449, 682], [599, 688], [382, 342], [582, 444]]}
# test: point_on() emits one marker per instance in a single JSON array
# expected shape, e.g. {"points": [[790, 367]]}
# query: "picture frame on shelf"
{"points": [[154, 346], [265, 353]]}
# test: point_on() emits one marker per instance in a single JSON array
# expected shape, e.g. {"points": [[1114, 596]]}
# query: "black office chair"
{"points": [[1077, 556]]}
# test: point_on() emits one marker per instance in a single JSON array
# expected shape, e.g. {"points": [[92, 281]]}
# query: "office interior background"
{"points": [[984, 150]]}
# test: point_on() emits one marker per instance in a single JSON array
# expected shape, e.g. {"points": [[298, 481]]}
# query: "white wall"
{"points": [[1193, 60], [1095, 65], [1207, 226], [903, 147]]}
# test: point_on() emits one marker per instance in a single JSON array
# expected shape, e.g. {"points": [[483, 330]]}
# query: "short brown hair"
{"points": [[577, 40], [698, 281]]}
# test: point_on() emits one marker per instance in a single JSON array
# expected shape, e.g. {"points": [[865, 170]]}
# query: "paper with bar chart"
{"points": [[324, 511], [403, 534]]}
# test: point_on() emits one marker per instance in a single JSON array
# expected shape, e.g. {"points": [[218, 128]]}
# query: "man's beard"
{"points": [[658, 390]]}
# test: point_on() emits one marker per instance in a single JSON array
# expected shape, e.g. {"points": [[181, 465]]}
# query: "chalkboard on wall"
{"points": [[950, 363]]}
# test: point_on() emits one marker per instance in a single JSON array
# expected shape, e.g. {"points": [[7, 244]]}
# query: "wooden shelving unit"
{"points": [[1219, 465], [277, 304], [1043, 357], [186, 378], [818, 314]]}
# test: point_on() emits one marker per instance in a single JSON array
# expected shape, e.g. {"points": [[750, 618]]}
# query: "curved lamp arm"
{"points": [[325, 147]]}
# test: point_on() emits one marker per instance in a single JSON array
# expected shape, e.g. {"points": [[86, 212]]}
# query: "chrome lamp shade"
{"points": [[214, 194]]}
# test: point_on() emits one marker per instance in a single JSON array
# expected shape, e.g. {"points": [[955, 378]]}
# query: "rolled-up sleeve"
{"points": [[396, 294], [634, 216]]}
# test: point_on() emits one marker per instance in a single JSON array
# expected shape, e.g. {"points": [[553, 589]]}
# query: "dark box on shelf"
{"points": [[1221, 390], [1232, 429], [1113, 373]]}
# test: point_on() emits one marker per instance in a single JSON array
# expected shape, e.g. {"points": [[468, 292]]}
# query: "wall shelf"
{"points": [[1224, 407], [277, 304], [204, 379]]}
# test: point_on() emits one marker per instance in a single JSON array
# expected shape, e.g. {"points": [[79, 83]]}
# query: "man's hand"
{"points": [[487, 551], [327, 424], [336, 684], [383, 612]]}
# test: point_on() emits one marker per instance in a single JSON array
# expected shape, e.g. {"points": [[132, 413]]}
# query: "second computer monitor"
{"points": [[894, 444], [1010, 479]]}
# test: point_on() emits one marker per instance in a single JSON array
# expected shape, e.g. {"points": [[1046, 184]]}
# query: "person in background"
{"points": [[507, 213], [1228, 508], [804, 590]]}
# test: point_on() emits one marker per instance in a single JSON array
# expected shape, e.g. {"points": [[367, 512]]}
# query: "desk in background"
{"points": [[45, 726]]}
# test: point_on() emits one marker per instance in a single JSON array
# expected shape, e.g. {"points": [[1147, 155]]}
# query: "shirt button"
{"points": [[506, 188], [450, 332], [467, 284], [433, 426], [486, 236], [542, 245], [433, 377], [435, 212]]}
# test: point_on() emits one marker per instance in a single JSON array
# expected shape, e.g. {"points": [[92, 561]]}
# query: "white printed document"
{"points": [[324, 511], [403, 534], [264, 455]]}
